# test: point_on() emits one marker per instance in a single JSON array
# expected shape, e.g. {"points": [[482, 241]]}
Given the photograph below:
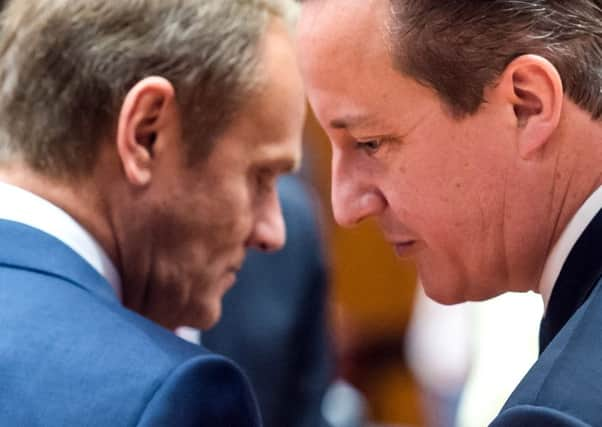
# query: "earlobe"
{"points": [[537, 96], [144, 116]]}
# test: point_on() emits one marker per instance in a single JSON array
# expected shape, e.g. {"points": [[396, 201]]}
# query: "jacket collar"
{"points": [[27, 248], [578, 277], [30, 209]]}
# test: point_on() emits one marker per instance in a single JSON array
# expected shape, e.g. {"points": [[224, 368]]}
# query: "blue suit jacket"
{"points": [[274, 319], [72, 355], [564, 387]]}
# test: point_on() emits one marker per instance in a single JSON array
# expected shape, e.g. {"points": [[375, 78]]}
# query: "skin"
{"points": [[478, 202], [204, 218], [178, 233]]}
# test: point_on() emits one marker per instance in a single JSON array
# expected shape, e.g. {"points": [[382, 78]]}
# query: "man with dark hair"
{"points": [[471, 131], [140, 143]]}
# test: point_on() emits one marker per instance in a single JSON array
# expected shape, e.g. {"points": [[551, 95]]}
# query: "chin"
{"points": [[457, 293], [204, 316], [445, 291], [445, 298], [441, 288]]}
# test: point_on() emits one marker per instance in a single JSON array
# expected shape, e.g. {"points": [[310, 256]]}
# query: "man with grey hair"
{"points": [[140, 141], [471, 130]]}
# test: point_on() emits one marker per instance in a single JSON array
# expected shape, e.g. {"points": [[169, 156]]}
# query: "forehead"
{"points": [[342, 31], [346, 62], [269, 126]]}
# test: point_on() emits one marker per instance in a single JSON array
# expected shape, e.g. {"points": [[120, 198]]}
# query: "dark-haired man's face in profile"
{"points": [[441, 188]]}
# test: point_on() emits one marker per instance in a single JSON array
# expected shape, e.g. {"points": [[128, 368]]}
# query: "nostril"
{"points": [[359, 208]]}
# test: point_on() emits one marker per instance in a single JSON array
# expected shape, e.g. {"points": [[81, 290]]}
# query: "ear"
{"points": [[146, 114], [534, 88]]}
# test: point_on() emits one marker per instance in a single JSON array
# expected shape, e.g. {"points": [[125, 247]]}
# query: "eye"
{"points": [[370, 147], [266, 179]]}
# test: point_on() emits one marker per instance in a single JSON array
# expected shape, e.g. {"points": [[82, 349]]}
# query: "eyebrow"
{"points": [[284, 166], [290, 166], [350, 122]]}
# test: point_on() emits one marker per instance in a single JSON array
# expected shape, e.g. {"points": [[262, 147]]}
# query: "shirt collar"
{"points": [[565, 243], [26, 208]]}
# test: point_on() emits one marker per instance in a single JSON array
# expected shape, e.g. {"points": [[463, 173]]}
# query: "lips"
{"points": [[234, 269], [236, 265], [229, 279], [404, 249]]}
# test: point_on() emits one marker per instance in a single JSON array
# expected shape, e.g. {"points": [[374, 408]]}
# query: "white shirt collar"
{"points": [[565, 243], [26, 208]]}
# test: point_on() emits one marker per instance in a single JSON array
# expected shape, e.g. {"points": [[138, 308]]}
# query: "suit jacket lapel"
{"points": [[578, 277], [27, 248]]}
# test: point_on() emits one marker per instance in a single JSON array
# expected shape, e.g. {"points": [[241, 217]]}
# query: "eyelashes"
{"points": [[370, 147], [265, 179]]}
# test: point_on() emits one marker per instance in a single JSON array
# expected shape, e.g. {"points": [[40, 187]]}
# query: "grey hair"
{"points": [[66, 66]]}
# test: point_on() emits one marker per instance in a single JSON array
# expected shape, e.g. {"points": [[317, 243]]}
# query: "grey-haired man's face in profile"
{"points": [[206, 216]]}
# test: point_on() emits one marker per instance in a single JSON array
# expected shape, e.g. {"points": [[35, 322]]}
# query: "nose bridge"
{"points": [[269, 230], [344, 191], [339, 188], [354, 197]]}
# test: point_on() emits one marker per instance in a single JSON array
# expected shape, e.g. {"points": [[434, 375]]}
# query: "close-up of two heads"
{"points": [[467, 129]]}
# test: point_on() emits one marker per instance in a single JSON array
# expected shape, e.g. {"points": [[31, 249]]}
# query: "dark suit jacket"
{"points": [[274, 319], [72, 355], [564, 387]]}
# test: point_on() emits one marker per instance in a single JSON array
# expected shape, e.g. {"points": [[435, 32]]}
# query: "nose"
{"points": [[269, 231], [354, 198]]}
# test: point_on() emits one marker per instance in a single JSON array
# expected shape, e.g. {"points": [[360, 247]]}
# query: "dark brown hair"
{"points": [[459, 47]]}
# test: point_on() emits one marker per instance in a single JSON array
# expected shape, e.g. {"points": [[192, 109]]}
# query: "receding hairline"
{"points": [[105, 84]]}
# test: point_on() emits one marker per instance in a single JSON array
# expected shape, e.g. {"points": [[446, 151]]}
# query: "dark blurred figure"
{"points": [[274, 319]]}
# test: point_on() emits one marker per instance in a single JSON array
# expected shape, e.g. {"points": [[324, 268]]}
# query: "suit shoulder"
{"points": [[567, 377], [87, 344], [535, 416], [206, 390]]}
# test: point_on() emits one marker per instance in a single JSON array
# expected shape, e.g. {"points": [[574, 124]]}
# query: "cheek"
{"points": [[430, 205], [213, 224], [453, 189], [231, 211]]}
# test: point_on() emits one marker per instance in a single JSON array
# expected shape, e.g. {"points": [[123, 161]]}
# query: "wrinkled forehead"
{"points": [[273, 117], [281, 103]]}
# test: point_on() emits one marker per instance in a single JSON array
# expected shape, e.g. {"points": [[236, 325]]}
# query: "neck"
{"points": [[83, 201], [574, 174], [577, 171]]}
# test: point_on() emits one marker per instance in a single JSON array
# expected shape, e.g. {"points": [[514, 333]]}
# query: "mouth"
{"points": [[233, 270], [232, 274], [230, 278], [405, 249]]}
